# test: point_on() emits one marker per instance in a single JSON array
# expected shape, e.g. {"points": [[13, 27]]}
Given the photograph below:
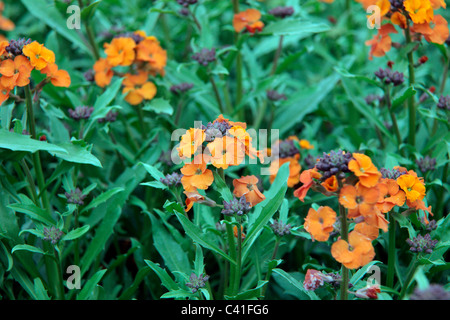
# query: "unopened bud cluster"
{"points": [[197, 282], [236, 206], [334, 163]]}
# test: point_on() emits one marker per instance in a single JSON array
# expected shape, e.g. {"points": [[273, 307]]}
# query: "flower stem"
{"points": [[393, 118], [391, 252], [142, 122], [36, 157], [344, 236], [237, 275], [411, 102], [91, 38], [216, 93]]}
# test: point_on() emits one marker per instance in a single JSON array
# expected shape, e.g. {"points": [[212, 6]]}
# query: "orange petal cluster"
{"points": [[142, 54], [15, 70], [249, 20]]}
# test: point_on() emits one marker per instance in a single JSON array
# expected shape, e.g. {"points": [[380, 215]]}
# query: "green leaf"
{"points": [[90, 285], [19, 142], [78, 152], [34, 212], [166, 280], [170, 250], [221, 187], [404, 223], [76, 233], [102, 198], [409, 92], [294, 27], [88, 12], [159, 105], [27, 247], [295, 283], [40, 291], [249, 294], [197, 235]]}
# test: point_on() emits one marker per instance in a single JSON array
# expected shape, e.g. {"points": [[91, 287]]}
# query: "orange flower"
{"points": [[15, 72], [246, 186], [294, 170], [364, 169], [331, 184], [381, 42], [190, 142], [226, 151], [413, 187], [59, 78], [306, 178], [39, 55], [399, 19], [355, 253], [196, 175], [103, 72], [438, 34], [221, 118], [359, 200], [4, 93], [319, 224], [390, 195], [248, 19], [367, 230], [242, 135], [191, 198], [420, 11], [120, 52], [138, 88], [420, 205], [150, 51]]}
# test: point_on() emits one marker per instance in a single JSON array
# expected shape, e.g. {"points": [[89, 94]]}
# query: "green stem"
{"points": [[393, 118], [409, 277], [31, 185], [36, 156], [91, 38], [277, 56], [237, 275], [216, 93], [232, 252], [61, 294], [391, 252], [77, 243], [344, 236], [411, 102], [142, 122]]}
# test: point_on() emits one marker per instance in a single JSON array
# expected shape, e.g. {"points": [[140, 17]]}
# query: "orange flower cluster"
{"points": [[249, 20], [19, 58], [221, 144], [418, 15], [143, 56], [367, 194], [288, 151]]}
